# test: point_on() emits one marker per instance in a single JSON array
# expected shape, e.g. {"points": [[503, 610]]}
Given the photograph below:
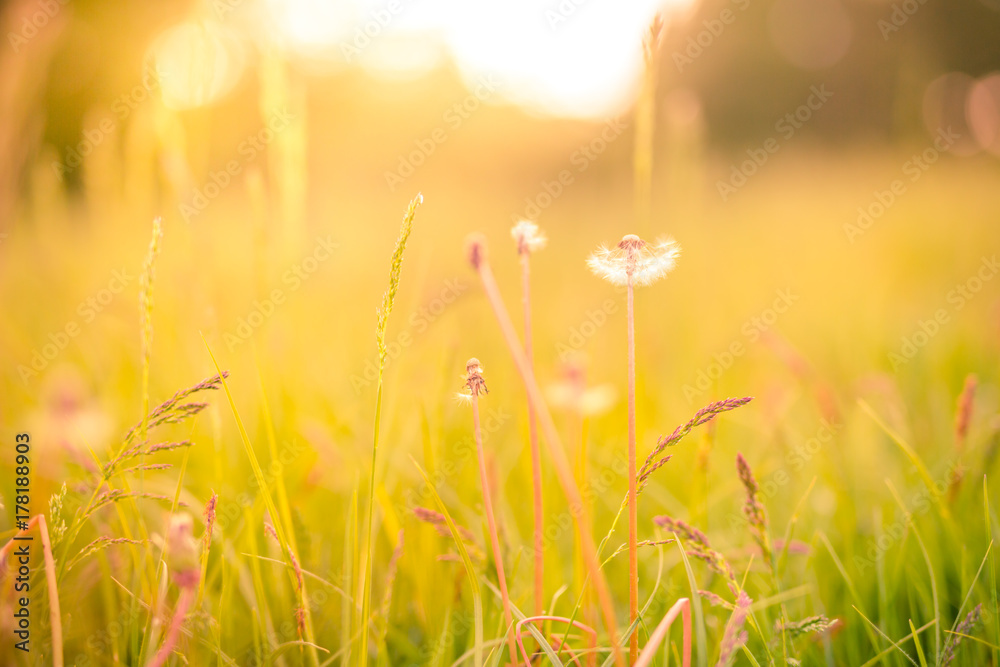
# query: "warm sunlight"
{"points": [[499, 333], [566, 57]]}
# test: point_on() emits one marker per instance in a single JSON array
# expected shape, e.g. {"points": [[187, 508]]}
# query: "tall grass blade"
{"points": [[994, 609], [699, 617], [388, 299]]}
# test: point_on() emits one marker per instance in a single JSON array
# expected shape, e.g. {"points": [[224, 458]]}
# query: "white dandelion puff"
{"points": [[528, 236], [643, 262]]}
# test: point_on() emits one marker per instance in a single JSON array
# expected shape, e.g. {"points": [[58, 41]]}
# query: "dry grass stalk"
{"points": [[963, 415], [529, 239], [474, 386], [480, 262]]}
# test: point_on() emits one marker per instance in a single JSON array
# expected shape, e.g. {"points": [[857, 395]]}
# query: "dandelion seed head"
{"points": [[474, 382], [528, 236], [634, 260]]}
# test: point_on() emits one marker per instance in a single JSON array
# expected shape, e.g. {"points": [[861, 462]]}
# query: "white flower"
{"points": [[528, 236], [633, 260]]}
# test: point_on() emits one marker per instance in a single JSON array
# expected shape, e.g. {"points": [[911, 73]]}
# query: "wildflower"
{"points": [[474, 382], [635, 262], [529, 238], [476, 249], [475, 385]]}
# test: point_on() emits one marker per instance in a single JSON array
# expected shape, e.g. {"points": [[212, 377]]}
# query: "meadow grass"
{"points": [[840, 519]]}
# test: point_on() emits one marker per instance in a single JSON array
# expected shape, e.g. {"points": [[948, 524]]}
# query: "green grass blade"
{"points": [[881, 654], [993, 573], [388, 299], [885, 636], [847, 580], [535, 632], [930, 571], [910, 453], [477, 599], [272, 509], [916, 642], [699, 618]]}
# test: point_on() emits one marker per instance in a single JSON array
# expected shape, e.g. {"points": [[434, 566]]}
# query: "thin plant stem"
{"points": [[492, 524], [633, 520], [183, 604], [564, 472], [536, 461]]}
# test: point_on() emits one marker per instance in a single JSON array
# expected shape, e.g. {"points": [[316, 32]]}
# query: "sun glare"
{"points": [[563, 57]]}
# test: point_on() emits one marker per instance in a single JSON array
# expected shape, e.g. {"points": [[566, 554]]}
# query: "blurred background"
{"points": [[829, 167]]}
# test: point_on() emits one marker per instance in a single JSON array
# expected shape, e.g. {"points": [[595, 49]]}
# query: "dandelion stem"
{"points": [[492, 524], [562, 467], [536, 461], [633, 520]]}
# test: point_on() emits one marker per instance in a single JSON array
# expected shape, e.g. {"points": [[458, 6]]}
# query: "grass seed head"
{"points": [[395, 271], [735, 636], [210, 508], [964, 413], [753, 508], [966, 627]]}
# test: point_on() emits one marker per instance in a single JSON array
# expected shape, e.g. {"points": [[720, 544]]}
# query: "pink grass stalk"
{"points": [[963, 415], [564, 472], [475, 384], [528, 239], [734, 636], [183, 604]]}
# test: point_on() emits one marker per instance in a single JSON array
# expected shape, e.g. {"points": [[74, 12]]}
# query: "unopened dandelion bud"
{"points": [[475, 248]]}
